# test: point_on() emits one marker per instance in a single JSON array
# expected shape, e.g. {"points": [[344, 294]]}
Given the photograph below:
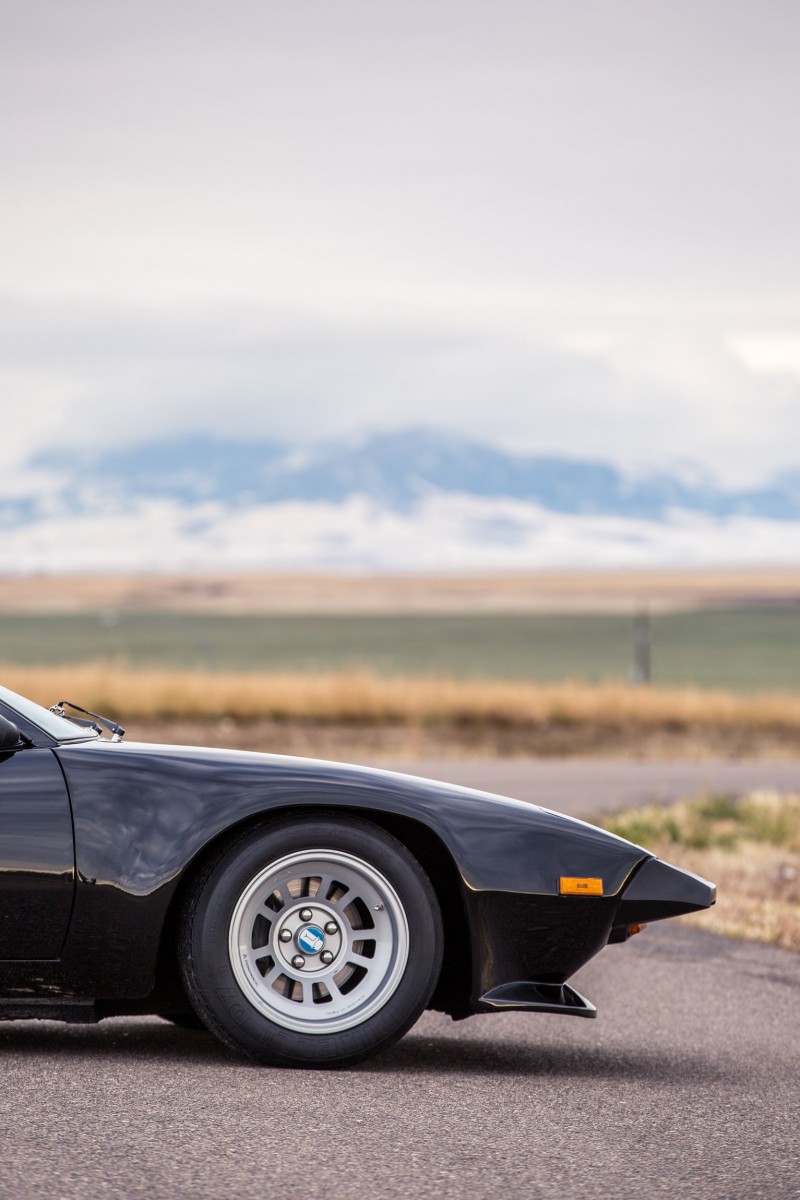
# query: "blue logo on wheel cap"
{"points": [[311, 939]]}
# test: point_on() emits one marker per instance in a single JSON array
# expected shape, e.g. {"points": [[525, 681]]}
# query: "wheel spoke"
{"points": [[324, 884], [361, 960], [333, 988], [261, 952]]}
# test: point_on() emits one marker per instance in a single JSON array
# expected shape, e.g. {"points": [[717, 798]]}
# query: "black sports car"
{"points": [[305, 912]]}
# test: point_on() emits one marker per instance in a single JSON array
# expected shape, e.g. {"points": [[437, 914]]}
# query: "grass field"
{"points": [[738, 649], [749, 846]]}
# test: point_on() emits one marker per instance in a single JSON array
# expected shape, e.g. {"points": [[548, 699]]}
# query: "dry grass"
{"points": [[367, 698], [749, 846]]}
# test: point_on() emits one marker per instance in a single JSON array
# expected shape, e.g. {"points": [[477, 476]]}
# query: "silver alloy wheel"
{"points": [[318, 941]]}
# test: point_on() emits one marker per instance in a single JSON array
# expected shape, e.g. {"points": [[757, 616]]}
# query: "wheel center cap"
{"points": [[310, 939]]}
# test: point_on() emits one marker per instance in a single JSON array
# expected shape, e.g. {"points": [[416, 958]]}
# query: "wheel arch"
{"points": [[453, 987]]}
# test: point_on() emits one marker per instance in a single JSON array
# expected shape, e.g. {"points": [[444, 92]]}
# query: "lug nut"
{"points": [[298, 961], [285, 935], [331, 927], [326, 957], [306, 914]]}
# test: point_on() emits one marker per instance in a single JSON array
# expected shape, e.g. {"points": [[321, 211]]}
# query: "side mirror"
{"points": [[10, 736]]}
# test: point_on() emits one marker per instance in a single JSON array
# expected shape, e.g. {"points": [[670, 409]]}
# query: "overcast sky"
{"points": [[563, 226]]}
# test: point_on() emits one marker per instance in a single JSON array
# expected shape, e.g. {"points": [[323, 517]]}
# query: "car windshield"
{"points": [[57, 727]]}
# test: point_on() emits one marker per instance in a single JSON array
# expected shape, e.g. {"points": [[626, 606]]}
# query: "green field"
{"points": [[739, 649]]}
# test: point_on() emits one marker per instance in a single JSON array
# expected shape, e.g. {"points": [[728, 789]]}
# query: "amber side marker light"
{"points": [[569, 886], [632, 929]]}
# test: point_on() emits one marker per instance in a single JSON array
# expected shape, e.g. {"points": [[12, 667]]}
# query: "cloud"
{"points": [[79, 376], [178, 151], [445, 532], [544, 225]]}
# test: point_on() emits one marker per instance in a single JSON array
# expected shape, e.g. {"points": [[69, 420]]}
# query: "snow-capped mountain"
{"points": [[394, 470], [416, 498]]}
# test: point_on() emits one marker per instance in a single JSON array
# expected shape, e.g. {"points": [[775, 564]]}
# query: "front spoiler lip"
{"points": [[526, 996]]}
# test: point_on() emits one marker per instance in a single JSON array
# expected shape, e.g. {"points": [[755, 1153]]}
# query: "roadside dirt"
{"points": [[377, 742], [308, 592]]}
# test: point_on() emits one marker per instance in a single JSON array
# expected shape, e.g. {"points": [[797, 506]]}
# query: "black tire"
{"points": [[229, 985]]}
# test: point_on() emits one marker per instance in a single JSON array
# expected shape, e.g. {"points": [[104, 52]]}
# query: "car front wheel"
{"points": [[314, 942]]}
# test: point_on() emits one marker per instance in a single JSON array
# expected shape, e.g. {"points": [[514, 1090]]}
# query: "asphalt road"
{"points": [[582, 787], [687, 1084]]}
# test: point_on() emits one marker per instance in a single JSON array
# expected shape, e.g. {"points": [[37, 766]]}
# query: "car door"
{"points": [[37, 860]]}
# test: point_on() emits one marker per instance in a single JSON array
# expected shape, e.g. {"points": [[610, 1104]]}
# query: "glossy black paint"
{"points": [[166, 802], [145, 817], [659, 891], [37, 871]]}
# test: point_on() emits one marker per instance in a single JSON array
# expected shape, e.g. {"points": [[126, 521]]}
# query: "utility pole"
{"points": [[642, 646]]}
